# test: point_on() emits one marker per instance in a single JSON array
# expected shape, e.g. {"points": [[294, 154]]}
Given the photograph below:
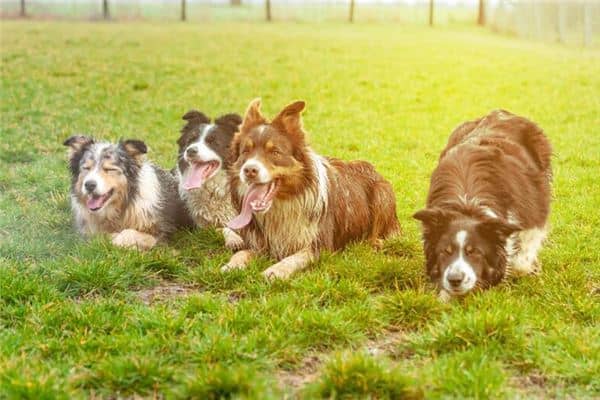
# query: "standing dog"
{"points": [[202, 168], [115, 190], [293, 202], [488, 203]]}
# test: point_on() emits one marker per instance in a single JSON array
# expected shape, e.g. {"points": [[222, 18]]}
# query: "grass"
{"points": [[72, 324]]}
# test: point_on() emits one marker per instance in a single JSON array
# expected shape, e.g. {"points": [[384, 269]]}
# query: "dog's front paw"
{"points": [[239, 260], [233, 241], [277, 271], [130, 238]]}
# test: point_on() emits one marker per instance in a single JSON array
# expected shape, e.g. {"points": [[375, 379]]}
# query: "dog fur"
{"points": [[206, 145], [115, 191], [300, 202], [488, 203]]}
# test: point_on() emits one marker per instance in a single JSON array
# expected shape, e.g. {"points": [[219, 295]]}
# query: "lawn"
{"points": [[82, 319]]}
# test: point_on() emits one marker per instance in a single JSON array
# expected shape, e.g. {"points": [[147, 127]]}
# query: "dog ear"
{"points": [[432, 216], [230, 120], [196, 117], [290, 120], [498, 228], [253, 116], [76, 143], [135, 148]]}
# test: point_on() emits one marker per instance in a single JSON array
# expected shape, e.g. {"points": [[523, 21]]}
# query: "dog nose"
{"points": [[455, 278], [192, 152], [250, 171], [90, 186]]}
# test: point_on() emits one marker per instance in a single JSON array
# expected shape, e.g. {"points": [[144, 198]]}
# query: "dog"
{"points": [[202, 170], [488, 204], [293, 203], [115, 191]]}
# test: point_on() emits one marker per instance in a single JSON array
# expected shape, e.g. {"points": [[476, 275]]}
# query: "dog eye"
{"points": [[448, 249], [469, 250], [111, 170], [276, 152], [85, 168]]}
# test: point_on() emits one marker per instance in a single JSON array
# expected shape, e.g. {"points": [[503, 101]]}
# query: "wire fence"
{"points": [[573, 22]]}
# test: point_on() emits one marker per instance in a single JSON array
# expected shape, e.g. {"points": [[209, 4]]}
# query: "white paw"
{"points": [[276, 271], [130, 238], [233, 241]]}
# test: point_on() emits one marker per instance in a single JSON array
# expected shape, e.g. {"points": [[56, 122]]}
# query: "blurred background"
{"points": [[572, 22]]}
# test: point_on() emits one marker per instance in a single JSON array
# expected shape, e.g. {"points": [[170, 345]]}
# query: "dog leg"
{"points": [[526, 261], [289, 265], [130, 238], [233, 241], [239, 260]]}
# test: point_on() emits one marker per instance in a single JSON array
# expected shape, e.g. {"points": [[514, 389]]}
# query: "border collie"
{"points": [[115, 190], [293, 202], [488, 204], [203, 162]]}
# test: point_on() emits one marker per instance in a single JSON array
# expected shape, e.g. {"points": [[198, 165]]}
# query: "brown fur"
{"points": [[321, 203], [493, 182]]}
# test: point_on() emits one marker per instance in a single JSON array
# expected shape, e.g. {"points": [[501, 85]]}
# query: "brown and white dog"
{"points": [[114, 190], [202, 170], [293, 202], [488, 204]]}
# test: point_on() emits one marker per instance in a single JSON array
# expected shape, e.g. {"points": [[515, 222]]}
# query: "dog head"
{"points": [[204, 147], [104, 175], [464, 252], [270, 160]]}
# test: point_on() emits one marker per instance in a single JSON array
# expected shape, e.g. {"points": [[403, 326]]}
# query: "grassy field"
{"points": [[81, 319]]}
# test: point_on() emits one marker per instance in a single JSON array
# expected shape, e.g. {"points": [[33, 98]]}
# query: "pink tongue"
{"points": [[196, 175], [254, 192], [95, 202]]}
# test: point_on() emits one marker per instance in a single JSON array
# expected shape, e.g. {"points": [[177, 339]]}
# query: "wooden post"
{"points": [[183, 16], [430, 12], [235, 2], [22, 13], [481, 15], [105, 11], [562, 22], [268, 10], [351, 16]]}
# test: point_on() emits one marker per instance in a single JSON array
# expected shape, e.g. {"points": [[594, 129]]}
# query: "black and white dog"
{"points": [[202, 168], [114, 190]]}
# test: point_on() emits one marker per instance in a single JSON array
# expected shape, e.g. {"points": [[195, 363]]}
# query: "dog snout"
{"points": [[251, 171], [455, 278], [90, 186], [191, 152]]}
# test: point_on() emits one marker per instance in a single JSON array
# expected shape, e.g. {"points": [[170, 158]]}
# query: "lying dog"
{"points": [[293, 202], [488, 204], [115, 190], [202, 168]]}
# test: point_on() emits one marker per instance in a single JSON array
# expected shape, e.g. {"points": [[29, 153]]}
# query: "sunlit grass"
{"points": [[72, 322]]}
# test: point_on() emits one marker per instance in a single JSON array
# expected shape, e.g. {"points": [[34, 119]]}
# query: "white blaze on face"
{"points": [[94, 174], [262, 176], [460, 267], [205, 153]]}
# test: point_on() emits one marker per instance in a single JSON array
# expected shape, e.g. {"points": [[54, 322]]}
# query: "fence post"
{"points": [[481, 15], [351, 16], [430, 12], [562, 22], [268, 10], [183, 16], [105, 11], [22, 13]]}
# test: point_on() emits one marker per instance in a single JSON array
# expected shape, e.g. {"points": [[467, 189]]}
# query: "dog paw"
{"points": [[444, 296], [130, 238], [233, 241], [275, 272]]}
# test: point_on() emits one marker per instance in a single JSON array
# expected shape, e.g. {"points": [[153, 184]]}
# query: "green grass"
{"points": [[72, 323]]}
